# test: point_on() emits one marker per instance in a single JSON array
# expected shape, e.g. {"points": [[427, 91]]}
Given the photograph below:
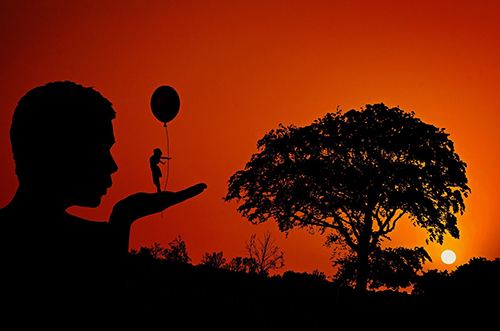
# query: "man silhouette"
{"points": [[55, 263]]}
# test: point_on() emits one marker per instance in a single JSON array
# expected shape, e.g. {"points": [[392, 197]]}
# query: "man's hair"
{"points": [[55, 118]]}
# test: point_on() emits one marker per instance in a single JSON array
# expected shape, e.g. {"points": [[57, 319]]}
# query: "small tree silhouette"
{"points": [[241, 264], [176, 251], [156, 250], [432, 282], [265, 254], [214, 260]]}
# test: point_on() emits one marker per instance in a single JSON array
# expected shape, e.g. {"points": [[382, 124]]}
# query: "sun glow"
{"points": [[448, 256]]}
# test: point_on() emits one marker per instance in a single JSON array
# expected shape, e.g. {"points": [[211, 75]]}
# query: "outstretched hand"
{"points": [[138, 205]]}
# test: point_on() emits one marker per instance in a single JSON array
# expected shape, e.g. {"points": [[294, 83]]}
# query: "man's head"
{"points": [[61, 136]]}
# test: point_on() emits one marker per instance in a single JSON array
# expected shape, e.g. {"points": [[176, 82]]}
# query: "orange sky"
{"points": [[243, 67]]}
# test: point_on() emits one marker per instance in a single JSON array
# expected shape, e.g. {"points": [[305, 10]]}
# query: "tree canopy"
{"points": [[355, 174]]}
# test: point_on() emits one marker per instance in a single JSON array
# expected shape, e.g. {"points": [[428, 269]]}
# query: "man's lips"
{"points": [[109, 183]]}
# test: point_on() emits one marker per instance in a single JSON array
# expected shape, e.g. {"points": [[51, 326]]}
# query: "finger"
{"points": [[185, 194], [192, 191]]}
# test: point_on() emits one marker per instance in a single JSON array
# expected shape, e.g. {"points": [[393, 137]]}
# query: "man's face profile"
{"points": [[93, 165], [61, 137]]}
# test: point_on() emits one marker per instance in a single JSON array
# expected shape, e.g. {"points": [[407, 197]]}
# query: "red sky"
{"points": [[243, 67]]}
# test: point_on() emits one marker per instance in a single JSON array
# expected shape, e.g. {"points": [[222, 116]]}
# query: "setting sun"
{"points": [[448, 256]]}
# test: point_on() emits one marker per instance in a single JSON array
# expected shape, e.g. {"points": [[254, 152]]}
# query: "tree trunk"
{"points": [[362, 271], [363, 252]]}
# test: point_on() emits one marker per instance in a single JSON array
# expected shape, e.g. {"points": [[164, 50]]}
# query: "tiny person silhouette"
{"points": [[56, 265], [155, 169]]}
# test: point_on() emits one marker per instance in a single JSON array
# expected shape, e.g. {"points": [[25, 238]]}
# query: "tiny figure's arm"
{"points": [[165, 158]]}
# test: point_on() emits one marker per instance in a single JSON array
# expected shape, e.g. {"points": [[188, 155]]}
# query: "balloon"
{"points": [[165, 103]]}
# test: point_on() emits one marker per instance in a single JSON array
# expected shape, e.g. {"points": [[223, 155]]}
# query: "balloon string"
{"points": [[168, 157], [168, 161]]}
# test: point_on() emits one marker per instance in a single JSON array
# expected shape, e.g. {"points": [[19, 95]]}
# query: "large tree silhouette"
{"points": [[355, 175]]}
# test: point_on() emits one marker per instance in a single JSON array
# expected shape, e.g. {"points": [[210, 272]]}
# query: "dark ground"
{"points": [[176, 296]]}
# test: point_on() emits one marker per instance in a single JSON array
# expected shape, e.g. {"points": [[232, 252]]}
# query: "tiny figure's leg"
{"points": [[156, 181]]}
